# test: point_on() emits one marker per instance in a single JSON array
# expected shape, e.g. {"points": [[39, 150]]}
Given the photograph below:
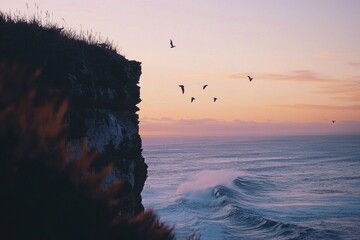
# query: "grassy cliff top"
{"points": [[43, 32]]}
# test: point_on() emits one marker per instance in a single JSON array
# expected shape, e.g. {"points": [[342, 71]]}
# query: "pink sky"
{"points": [[304, 56]]}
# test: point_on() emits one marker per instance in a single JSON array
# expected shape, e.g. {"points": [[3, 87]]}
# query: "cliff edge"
{"points": [[101, 88]]}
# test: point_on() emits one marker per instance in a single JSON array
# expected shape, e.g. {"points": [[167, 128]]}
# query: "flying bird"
{"points": [[205, 86], [333, 121], [215, 99], [250, 78], [192, 99], [182, 88], [171, 44]]}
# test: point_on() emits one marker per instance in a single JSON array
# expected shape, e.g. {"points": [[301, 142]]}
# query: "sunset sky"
{"points": [[304, 56]]}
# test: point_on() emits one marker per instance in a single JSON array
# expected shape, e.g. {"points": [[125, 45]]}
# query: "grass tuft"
{"points": [[44, 20]]}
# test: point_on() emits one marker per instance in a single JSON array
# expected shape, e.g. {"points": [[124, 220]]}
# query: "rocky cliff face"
{"points": [[102, 89]]}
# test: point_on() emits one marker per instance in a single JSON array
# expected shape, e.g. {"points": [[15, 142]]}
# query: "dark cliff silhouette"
{"points": [[51, 86], [101, 87]]}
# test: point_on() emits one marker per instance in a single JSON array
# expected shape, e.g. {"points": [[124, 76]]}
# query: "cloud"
{"points": [[296, 75], [212, 127], [354, 64], [348, 90], [328, 55], [318, 107]]}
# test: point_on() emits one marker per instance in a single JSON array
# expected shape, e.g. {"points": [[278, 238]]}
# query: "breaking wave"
{"points": [[232, 201]]}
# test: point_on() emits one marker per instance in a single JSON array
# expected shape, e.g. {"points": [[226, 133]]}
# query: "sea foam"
{"points": [[207, 179]]}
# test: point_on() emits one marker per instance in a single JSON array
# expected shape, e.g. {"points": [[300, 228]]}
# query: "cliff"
{"points": [[101, 88]]}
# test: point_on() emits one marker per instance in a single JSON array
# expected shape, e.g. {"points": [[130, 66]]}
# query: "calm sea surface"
{"points": [[304, 187]]}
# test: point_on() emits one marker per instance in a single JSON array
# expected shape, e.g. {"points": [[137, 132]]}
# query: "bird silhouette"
{"points": [[171, 44], [250, 78], [192, 99], [182, 88], [215, 99], [333, 121], [205, 86]]}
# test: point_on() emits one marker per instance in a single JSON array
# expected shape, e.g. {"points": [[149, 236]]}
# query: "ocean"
{"points": [[298, 187]]}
